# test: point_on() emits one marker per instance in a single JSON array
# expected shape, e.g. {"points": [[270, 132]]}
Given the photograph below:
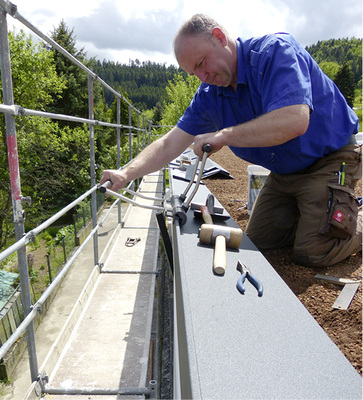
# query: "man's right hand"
{"points": [[151, 159], [116, 177]]}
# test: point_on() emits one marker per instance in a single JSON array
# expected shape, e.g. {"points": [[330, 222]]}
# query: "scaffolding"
{"points": [[11, 111], [223, 344]]}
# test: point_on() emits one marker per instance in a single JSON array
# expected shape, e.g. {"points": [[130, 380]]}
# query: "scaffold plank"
{"points": [[109, 346]]}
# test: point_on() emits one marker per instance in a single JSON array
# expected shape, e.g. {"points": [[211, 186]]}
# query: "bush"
{"points": [[46, 236], [65, 232], [53, 230]]}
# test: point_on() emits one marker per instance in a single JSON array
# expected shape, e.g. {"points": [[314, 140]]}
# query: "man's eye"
{"points": [[202, 63]]}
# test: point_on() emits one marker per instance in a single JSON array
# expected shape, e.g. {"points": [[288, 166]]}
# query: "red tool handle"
{"points": [[207, 218]]}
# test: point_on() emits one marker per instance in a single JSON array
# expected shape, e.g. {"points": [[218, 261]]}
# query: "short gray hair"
{"points": [[198, 24]]}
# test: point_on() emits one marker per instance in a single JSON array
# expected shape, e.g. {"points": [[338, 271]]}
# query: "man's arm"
{"points": [[271, 129], [152, 158]]}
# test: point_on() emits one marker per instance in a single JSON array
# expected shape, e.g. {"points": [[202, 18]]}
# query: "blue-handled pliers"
{"points": [[245, 273]]}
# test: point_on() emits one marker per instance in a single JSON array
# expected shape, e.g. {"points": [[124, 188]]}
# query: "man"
{"points": [[270, 103]]}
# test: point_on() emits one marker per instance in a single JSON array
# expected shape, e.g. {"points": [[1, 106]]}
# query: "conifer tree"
{"points": [[74, 98], [344, 79]]}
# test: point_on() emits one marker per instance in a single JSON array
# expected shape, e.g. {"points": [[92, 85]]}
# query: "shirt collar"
{"points": [[241, 65], [241, 71]]}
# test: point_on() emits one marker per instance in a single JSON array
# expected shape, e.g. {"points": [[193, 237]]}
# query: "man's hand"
{"points": [[117, 178], [151, 159], [215, 139]]}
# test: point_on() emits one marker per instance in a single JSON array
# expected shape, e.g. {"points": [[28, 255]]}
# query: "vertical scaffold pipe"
{"points": [[130, 135], [16, 197], [91, 115], [118, 135]]}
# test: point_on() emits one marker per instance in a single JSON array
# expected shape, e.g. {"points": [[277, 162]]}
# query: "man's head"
{"points": [[203, 48]]}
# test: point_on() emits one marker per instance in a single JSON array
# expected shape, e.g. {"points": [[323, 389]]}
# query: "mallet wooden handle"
{"points": [[219, 262]]}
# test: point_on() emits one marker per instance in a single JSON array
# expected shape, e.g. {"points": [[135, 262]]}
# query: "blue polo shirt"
{"points": [[275, 71]]}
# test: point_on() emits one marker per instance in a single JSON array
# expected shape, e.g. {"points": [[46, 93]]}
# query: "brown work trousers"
{"points": [[311, 211]]}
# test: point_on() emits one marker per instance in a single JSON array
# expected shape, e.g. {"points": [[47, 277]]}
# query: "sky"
{"points": [[124, 30]]}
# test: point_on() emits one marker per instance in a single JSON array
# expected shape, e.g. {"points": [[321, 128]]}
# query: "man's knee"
{"points": [[328, 253], [309, 260]]}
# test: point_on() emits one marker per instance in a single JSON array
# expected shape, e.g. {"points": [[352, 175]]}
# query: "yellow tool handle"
{"points": [[219, 263]]}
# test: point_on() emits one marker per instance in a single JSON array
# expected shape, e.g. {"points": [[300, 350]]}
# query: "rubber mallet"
{"points": [[221, 237]]}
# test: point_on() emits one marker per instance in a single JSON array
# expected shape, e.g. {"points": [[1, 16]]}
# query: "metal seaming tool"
{"points": [[180, 204], [104, 188], [245, 273], [200, 210]]}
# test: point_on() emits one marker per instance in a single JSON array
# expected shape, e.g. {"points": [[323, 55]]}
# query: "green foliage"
{"points": [[330, 68], [45, 235], [344, 79], [52, 230], [54, 164], [157, 113], [66, 231], [35, 80], [340, 51], [35, 83], [74, 98], [341, 60], [33, 273], [124, 119], [144, 82], [35, 243], [6, 228], [180, 92], [149, 114]]}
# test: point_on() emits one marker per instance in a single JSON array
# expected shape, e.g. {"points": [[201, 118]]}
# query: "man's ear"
{"points": [[220, 36]]}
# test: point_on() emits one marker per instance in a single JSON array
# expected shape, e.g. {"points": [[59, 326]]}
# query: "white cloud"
{"points": [[107, 28], [122, 30]]}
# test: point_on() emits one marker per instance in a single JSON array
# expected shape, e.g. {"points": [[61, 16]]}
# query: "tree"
{"points": [[54, 165], [35, 80], [74, 99], [344, 79], [144, 82], [35, 84], [340, 51], [157, 113], [180, 92], [106, 138], [330, 68]]}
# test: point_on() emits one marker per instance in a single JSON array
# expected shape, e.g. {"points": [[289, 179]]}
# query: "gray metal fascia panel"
{"points": [[245, 346]]}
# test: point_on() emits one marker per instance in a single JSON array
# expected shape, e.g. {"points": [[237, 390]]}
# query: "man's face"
{"points": [[209, 58]]}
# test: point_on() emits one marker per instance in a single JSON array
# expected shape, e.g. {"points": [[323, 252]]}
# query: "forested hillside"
{"points": [[341, 60], [340, 51], [144, 83]]}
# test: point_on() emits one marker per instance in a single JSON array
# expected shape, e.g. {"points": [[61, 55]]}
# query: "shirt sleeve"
{"points": [[199, 117], [282, 73]]}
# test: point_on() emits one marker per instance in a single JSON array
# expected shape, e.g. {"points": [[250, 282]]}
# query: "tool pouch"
{"points": [[340, 220]]}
